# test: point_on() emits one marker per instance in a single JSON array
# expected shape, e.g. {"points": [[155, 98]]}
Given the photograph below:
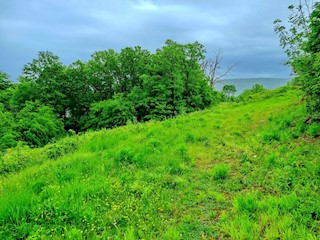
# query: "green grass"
{"points": [[220, 171], [236, 171]]}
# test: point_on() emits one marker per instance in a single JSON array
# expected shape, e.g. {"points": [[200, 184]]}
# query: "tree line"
{"points": [[111, 89]]}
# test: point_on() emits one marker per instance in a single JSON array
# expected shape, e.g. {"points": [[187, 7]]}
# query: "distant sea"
{"points": [[247, 83]]}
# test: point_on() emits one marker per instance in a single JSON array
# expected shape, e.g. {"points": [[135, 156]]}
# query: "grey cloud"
{"points": [[74, 29]]}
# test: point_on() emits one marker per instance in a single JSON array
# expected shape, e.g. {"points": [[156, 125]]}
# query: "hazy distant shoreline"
{"points": [[246, 83]]}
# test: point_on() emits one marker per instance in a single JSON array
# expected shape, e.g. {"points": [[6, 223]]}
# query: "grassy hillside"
{"points": [[236, 171]]}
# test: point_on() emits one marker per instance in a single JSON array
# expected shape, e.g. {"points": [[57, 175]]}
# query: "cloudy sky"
{"points": [[74, 29]]}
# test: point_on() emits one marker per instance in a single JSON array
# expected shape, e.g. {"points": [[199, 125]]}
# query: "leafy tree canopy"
{"points": [[5, 82], [302, 43]]}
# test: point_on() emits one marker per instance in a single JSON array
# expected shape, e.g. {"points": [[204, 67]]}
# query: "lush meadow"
{"points": [[237, 171]]}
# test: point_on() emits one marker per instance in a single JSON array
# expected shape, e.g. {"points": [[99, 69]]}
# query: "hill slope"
{"points": [[237, 171]]}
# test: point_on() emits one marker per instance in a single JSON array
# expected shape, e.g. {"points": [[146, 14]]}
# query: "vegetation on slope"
{"points": [[301, 43], [104, 92], [238, 171]]}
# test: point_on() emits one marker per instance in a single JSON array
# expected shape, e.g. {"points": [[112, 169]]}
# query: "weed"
{"points": [[246, 203], [314, 129], [244, 158], [172, 234], [183, 153], [190, 138], [271, 135], [271, 159], [242, 227], [125, 156], [220, 171]]}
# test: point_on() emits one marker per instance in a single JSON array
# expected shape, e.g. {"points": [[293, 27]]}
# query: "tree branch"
{"points": [[212, 69]]}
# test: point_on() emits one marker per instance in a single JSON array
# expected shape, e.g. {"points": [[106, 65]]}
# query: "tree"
{"points": [[133, 64], [229, 90], [5, 82], [308, 66], [293, 39], [6, 89], [41, 69], [139, 100], [79, 95], [164, 84], [143, 85], [23, 92], [47, 72], [103, 74], [213, 70], [197, 94], [302, 45], [248, 94], [175, 82]]}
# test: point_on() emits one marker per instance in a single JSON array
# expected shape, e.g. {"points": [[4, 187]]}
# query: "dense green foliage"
{"points": [[34, 124], [110, 113], [302, 45], [235, 171], [4, 81], [37, 124], [7, 132], [109, 90]]}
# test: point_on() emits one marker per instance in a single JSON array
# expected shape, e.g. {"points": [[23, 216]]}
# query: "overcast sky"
{"points": [[74, 29]]}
